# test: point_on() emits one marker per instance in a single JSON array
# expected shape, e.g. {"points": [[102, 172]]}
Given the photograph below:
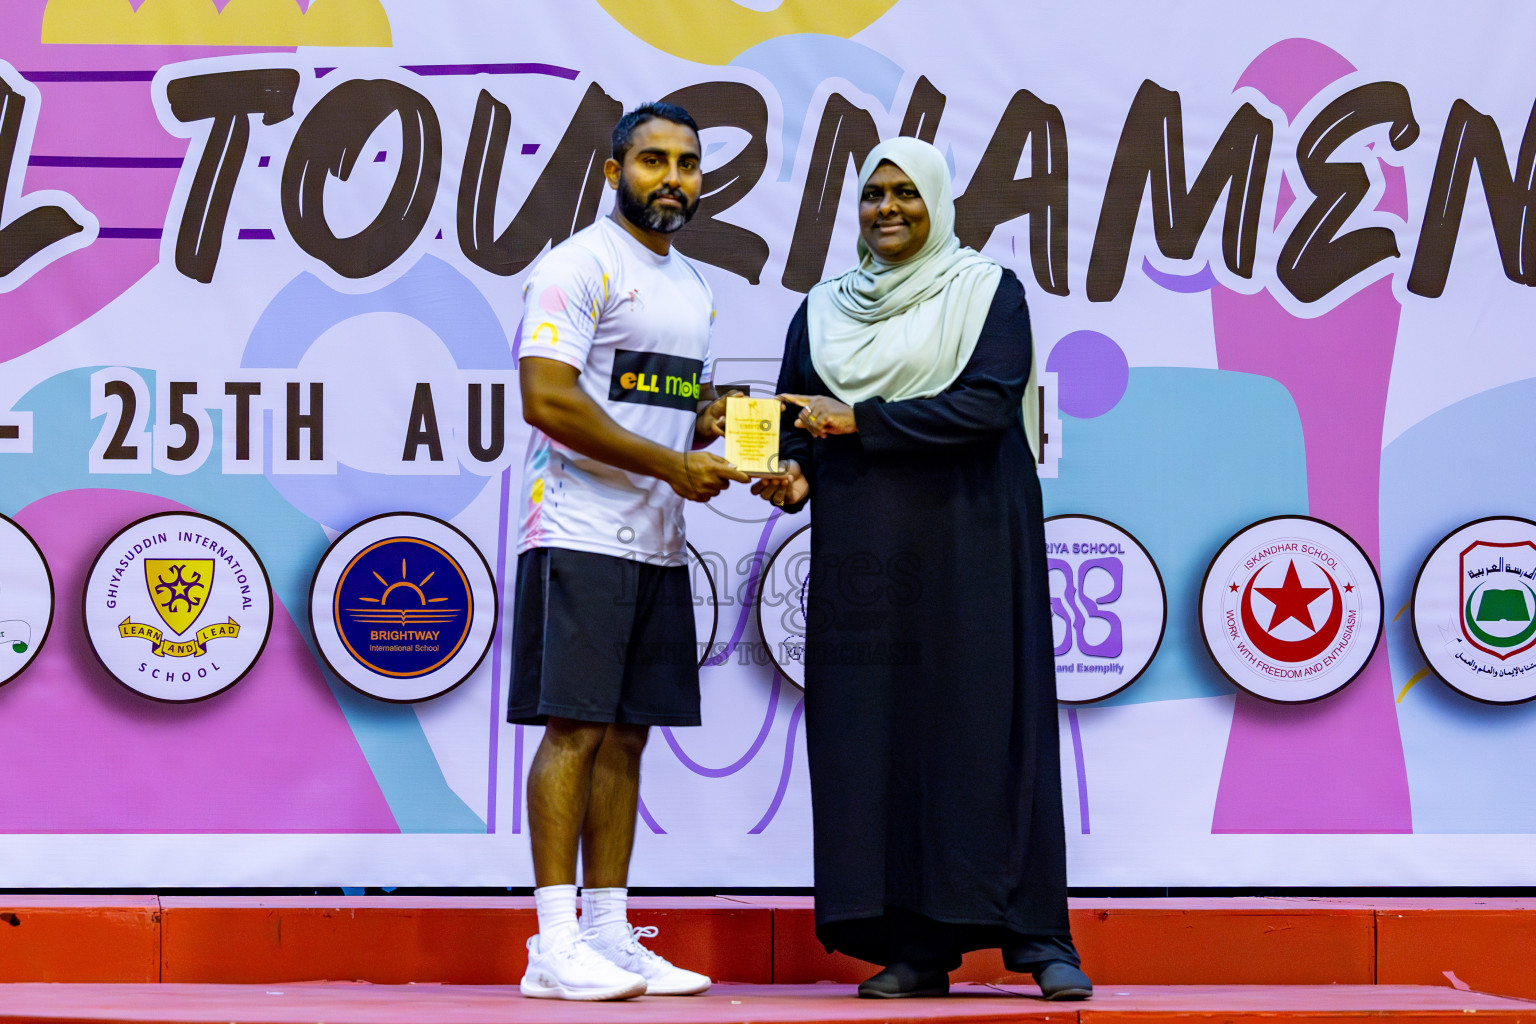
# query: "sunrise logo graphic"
{"points": [[211, 23], [403, 607]]}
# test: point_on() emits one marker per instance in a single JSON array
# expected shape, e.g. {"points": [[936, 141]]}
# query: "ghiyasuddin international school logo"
{"points": [[179, 589], [1474, 610], [177, 607], [1291, 609], [403, 607]]}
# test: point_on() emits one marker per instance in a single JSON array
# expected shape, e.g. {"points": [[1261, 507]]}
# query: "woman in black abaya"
{"points": [[930, 691]]}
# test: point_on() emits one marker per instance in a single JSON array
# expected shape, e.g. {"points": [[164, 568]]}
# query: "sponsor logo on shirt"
{"points": [[655, 378]]}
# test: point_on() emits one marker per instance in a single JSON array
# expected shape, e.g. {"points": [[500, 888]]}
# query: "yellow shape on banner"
{"points": [[718, 31], [179, 587], [200, 23]]}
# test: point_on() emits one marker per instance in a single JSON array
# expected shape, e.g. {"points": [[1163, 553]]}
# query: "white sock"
{"points": [[557, 914], [604, 908]]}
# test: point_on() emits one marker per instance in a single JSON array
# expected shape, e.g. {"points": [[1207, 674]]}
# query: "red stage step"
{"points": [[79, 939], [739, 1004], [1481, 943]]}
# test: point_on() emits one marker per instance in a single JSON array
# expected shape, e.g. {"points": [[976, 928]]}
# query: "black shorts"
{"points": [[602, 639]]}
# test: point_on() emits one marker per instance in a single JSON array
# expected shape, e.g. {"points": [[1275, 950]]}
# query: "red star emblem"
{"points": [[1291, 599], [1349, 588], [1233, 587]]}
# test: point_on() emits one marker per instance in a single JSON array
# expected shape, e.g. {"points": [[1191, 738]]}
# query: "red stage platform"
{"points": [[739, 1004], [448, 958]]}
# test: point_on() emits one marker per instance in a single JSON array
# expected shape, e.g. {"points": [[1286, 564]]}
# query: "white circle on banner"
{"points": [[782, 591], [1290, 609], [177, 607], [1108, 607], [26, 599], [402, 607], [1474, 610], [706, 603]]}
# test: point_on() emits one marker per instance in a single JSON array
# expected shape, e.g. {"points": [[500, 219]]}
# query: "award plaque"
{"points": [[752, 435]]}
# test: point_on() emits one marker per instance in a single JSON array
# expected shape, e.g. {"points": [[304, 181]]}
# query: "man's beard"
{"points": [[654, 218]]}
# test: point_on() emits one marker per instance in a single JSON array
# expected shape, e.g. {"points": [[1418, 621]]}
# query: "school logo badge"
{"points": [[1291, 609], [26, 600], [403, 607], [178, 607], [1474, 610], [783, 593], [1108, 607]]}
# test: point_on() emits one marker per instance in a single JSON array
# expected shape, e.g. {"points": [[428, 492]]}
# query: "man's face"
{"points": [[660, 180]]}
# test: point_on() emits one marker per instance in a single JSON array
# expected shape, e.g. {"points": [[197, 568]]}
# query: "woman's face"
{"points": [[893, 219]]}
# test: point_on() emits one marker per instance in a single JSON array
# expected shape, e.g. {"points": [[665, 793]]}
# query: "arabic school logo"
{"points": [[26, 600], [1291, 609], [1108, 607], [403, 607], [1474, 610], [177, 607], [1497, 616]]}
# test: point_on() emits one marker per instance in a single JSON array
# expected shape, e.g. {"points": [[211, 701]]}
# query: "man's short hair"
{"points": [[624, 131]]}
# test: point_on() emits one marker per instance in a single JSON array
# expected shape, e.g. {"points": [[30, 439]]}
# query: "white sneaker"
{"points": [[574, 970], [621, 946]]}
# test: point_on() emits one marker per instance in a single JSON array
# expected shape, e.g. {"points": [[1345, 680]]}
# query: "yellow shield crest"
{"points": [[179, 588]]}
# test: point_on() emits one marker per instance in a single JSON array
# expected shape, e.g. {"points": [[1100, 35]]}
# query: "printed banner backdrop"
{"points": [[262, 261]]}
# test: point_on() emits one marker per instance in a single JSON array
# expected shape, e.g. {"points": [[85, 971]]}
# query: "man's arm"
{"points": [[556, 405], [709, 421]]}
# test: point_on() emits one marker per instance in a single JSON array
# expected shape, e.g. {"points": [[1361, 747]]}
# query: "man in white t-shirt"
{"points": [[614, 362]]}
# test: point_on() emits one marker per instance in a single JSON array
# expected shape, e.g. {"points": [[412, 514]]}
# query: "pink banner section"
{"points": [[1336, 766], [84, 754]]}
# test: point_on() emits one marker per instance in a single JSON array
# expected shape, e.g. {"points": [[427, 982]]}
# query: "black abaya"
{"points": [[930, 701]]}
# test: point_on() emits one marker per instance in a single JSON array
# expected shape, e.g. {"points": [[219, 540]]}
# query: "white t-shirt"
{"points": [[637, 326]]}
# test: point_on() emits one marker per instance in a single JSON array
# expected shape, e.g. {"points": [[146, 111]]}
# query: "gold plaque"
{"points": [[752, 435]]}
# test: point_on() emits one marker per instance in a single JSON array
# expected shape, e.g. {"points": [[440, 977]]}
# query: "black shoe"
{"points": [[1061, 980], [901, 980]]}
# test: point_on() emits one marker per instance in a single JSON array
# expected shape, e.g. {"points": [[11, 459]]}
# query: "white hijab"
{"points": [[906, 330]]}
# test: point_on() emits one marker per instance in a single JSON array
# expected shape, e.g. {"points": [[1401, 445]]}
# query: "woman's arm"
{"points": [[983, 401], [794, 445]]}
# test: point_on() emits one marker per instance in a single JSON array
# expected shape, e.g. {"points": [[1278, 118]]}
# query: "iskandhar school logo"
{"points": [[1291, 609], [177, 607], [403, 607], [1474, 610]]}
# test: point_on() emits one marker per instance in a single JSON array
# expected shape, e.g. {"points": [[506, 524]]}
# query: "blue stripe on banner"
{"points": [[170, 162], [88, 76], [552, 70]]}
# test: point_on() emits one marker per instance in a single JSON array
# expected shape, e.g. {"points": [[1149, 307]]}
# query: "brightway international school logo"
{"points": [[403, 607], [1474, 610], [177, 607], [1291, 609]]}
